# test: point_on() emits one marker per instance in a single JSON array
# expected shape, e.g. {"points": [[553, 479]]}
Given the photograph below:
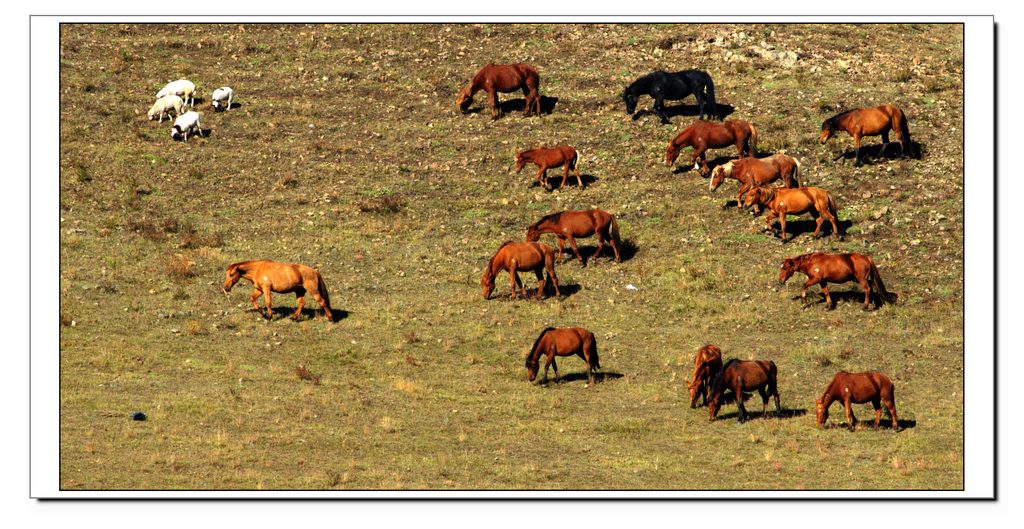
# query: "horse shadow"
{"points": [[554, 179], [880, 152], [685, 109], [599, 376], [565, 289], [627, 250], [784, 413], [884, 424], [686, 167], [308, 313], [802, 226], [852, 295], [547, 105]]}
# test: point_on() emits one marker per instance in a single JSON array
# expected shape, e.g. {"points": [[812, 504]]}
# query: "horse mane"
{"points": [[721, 373], [833, 121], [244, 265], [553, 217], [535, 342], [490, 262]]}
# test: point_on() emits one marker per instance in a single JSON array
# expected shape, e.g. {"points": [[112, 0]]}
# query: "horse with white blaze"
{"points": [[187, 122], [182, 88], [222, 98], [165, 105]]}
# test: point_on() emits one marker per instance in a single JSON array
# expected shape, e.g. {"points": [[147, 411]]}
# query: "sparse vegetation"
{"points": [[349, 154]]}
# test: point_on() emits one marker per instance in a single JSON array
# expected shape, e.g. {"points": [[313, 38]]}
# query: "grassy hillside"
{"points": [[347, 153]]}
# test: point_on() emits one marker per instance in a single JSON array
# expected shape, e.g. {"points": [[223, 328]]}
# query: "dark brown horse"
{"points": [[521, 256], [745, 375], [504, 78], [877, 121], [545, 158], [823, 268], [706, 366], [704, 135], [270, 276], [570, 225], [554, 342], [752, 172], [858, 388], [781, 202]]}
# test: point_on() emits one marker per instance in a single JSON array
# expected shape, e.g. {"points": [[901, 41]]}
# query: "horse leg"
{"points": [[659, 108], [600, 244], [615, 246], [867, 291], [561, 248], [828, 299], [529, 100], [579, 179], [572, 244], [764, 401], [547, 364], [835, 226], [540, 283], [856, 151], [782, 224], [554, 365], [803, 291], [738, 391], [818, 220], [850, 419], [266, 296], [513, 279], [492, 95], [565, 175], [300, 301], [891, 406], [255, 295], [697, 156], [885, 142], [878, 411], [542, 176]]}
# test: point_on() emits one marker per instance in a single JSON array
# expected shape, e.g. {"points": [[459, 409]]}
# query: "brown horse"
{"points": [[570, 225], [706, 366], [781, 202], [554, 342], [521, 256], [858, 388], [704, 135], [823, 268], [752, 172], [745, 375], [270, 276], [877, 121], [561, 156], [504, 78]]}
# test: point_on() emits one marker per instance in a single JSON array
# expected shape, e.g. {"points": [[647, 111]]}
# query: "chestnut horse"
{"points": [[750, 172], [858, 388], [267, 276], [569, 341], [504, 78], [877, 121], [781, 202], [704, 135], [706, 366], [569, 225], [823, 268], [545, 158], [521, 256], [745, 375]]}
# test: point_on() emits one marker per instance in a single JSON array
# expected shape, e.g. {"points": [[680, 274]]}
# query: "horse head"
{"points": [[713, 404], [787, 269], [532, 366], [465, 98], [630, 99], [718, 175], [231, 276], [694, 388], [532, 233], [520, 161], [487, 281], [820, 412], [671, 153], [827, 130]]}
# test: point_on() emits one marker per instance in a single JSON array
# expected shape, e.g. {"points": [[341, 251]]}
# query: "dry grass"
{"points": [[348, 153]]}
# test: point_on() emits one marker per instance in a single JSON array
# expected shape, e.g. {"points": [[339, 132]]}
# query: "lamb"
{"points": [[165, 105], [220, 95], [182, 88], [187, 122]]}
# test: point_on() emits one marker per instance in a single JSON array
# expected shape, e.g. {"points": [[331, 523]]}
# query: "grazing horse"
{"points": [[781, 202], [877, 121], [706, 366], [545, 158], [858, 388], [745, 375], [752, 172], [570, 225], [704, 135], [823, 268], [521, 256], [569, 341], [504, 78], [270, 276], [672, 86]]}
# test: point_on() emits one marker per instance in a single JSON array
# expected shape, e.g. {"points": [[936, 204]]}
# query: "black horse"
{"points": [[673, 86]]}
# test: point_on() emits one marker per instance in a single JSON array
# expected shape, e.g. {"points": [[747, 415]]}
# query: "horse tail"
{"points": [[796, 173], [595, 361], [900, 120], [614, 231], [882, 296], [321, 288], [536, 343], [752, 142], [710, 94]]}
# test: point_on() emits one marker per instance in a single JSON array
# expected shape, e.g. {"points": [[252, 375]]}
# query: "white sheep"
{"points": [[220, 95], [186, 123], [165, 105], [182, 88]]}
